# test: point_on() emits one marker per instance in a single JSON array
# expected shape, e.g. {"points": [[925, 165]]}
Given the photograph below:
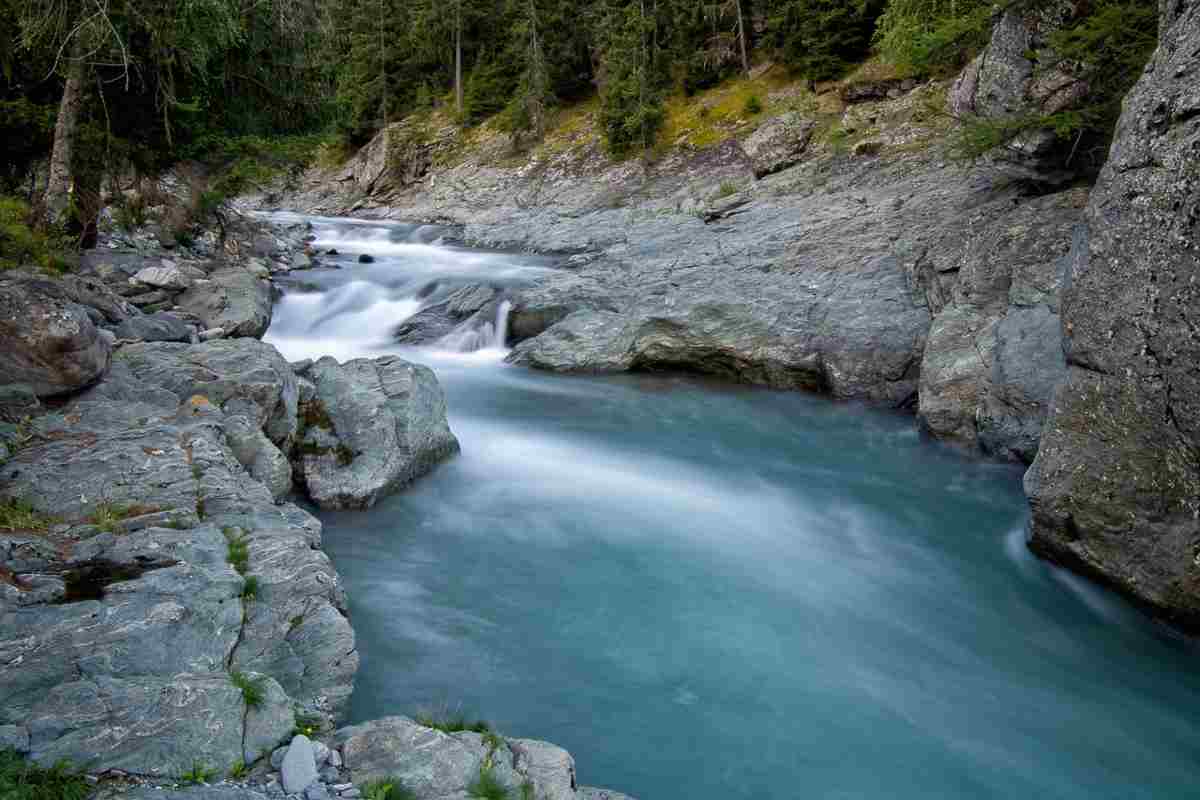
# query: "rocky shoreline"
{"points": [[168, 613]]}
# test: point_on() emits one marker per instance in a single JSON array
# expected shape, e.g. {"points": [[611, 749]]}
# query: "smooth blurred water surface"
{"points": [[707, 592]]}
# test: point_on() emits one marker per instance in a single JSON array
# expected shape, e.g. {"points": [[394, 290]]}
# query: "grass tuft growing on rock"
{"points": [[250, 588], [23, 780], [20, 515], [198, 774], [107, 514], [389, 788], [237, 551], [239, 770], [488, 787], [455, 723], [253, 689]]}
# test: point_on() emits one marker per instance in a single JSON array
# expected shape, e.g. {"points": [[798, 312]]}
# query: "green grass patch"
{"points": [[389, 788], [20, 515], [107, 514], [253, 690], [237, 549], [452, 723], [250, 588], [21, 779], [197, 775], [487, 786], [239, 770]]}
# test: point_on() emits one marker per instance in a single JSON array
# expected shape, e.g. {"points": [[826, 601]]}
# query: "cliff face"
{"points": [[1115, 488]]}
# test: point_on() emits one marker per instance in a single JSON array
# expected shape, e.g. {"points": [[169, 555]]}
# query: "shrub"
{"points": [[23, 780], [239, 770], [926, 37], [753, 105], [250, 588], [22, 245], [237, 550]]}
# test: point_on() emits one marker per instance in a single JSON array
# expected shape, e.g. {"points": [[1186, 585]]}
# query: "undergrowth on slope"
{"points": [[18, 514]]}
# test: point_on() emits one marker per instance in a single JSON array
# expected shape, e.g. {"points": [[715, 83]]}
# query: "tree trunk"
{"points": [[742, 38], [458, 82], [61, 183]]}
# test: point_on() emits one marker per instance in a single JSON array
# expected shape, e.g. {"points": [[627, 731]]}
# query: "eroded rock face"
{"points": [[1115, 489], [994, 354], [371, 427], [49, 343]]}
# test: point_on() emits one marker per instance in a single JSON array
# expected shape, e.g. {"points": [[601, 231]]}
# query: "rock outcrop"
{"points": [[994, 353], [1115, 489], [440, 766], [127, 650], [371, 426]]}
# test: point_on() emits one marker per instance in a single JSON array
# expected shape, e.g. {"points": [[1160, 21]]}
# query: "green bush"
{"points": [[250, 588], [753, 105], [23, 780], [930, 37], [22, 245]]}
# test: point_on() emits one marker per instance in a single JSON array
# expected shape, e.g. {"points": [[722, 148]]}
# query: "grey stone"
{"points": [[1115, 488], [550, 768], [299, 768], [18, 400], [50, 344], [372, 427], [350, 794], [160, 327], [320, 752], [330, 775], [232, 299], [335, 757], [169, 278], [778, 143], [429, 763], [221, 791], [268, 724], [317, 791], [277, 756], [258, 454]]}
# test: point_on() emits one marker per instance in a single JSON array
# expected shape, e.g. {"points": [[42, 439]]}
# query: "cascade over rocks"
{"points": [[1115, 488]]}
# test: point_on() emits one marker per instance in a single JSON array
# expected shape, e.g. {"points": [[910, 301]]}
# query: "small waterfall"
{"points": [[476, 334]]}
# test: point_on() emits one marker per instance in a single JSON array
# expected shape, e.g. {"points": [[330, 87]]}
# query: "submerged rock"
{"points": [[1115, 489], [370, 427]]}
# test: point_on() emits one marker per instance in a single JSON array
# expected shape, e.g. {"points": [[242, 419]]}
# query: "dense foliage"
{"points": [[144, 83]]}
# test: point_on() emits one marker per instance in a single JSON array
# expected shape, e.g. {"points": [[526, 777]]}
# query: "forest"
{"points": [[108, 86]]}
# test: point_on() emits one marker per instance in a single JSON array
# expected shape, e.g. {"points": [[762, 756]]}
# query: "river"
{"points": [[712, 592]]}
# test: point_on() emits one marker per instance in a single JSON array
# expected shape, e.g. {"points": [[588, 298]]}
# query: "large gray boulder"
{"points": [[778, 143], [160, 327], [1115, 489], [50, 343], [993, 356], [233, 299], [371, 426]]}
